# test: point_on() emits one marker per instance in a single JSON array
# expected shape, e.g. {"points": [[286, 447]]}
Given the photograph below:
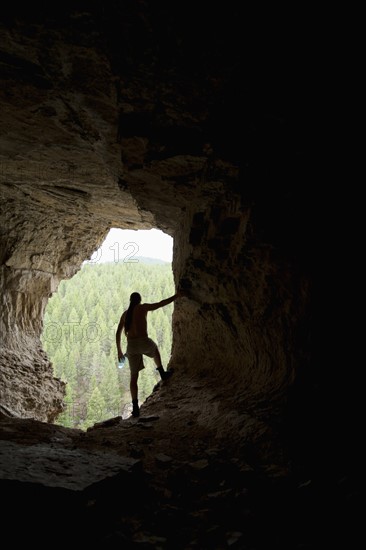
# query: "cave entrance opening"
{"points": [[81, 319]]}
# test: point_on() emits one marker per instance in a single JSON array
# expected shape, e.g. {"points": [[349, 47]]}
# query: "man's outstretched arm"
{"points": [[121, 324], [162, 303]]}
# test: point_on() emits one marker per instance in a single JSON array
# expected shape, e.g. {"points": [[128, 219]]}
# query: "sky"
{"points": [[126, 245]]}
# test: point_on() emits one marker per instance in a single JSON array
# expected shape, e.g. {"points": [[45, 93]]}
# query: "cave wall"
{"points": [[59, 188], [138, 117]]}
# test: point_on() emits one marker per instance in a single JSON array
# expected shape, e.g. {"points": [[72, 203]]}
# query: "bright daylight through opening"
{"points": [[81, 319]]}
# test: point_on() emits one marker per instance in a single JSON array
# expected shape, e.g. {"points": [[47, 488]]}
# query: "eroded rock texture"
{"points": [[147, 118]]}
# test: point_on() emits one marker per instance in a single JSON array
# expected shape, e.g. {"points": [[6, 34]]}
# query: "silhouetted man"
{"points": [[134, 321]]}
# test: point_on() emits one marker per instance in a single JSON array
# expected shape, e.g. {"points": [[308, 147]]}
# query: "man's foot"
{"points": [[164, 374]]}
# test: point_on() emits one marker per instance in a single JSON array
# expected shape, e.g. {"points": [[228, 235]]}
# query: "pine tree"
{"points": [[110, 390], [95, 408], [66, 418]]}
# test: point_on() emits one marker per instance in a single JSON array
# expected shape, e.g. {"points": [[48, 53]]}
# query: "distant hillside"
{"points": [[140, 260], [146, 260]]}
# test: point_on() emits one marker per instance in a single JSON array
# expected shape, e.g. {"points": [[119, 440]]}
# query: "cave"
{"points": [[194, 120]]}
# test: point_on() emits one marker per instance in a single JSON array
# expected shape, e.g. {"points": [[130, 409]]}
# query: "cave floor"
{"points": [[159, 481]]}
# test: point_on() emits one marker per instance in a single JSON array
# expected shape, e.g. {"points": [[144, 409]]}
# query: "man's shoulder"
{"points": [[143, 308]]}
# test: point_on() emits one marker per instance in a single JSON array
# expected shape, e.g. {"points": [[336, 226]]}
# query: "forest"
{"points": [[79, 336]]}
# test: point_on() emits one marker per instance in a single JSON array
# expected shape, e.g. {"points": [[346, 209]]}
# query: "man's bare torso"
{"points": [[138, 328]]}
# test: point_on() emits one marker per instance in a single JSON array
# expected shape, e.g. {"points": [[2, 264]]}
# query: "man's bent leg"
{"points": [[159, 367]]}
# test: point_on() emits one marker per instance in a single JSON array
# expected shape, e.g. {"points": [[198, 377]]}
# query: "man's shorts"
{"points": [[136, 348]]}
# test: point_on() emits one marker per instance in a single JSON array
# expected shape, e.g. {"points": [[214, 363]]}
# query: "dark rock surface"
{"points": [[119, 485]]}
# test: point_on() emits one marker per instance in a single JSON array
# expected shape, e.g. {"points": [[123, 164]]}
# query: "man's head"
{"points": [[135, 298]]}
